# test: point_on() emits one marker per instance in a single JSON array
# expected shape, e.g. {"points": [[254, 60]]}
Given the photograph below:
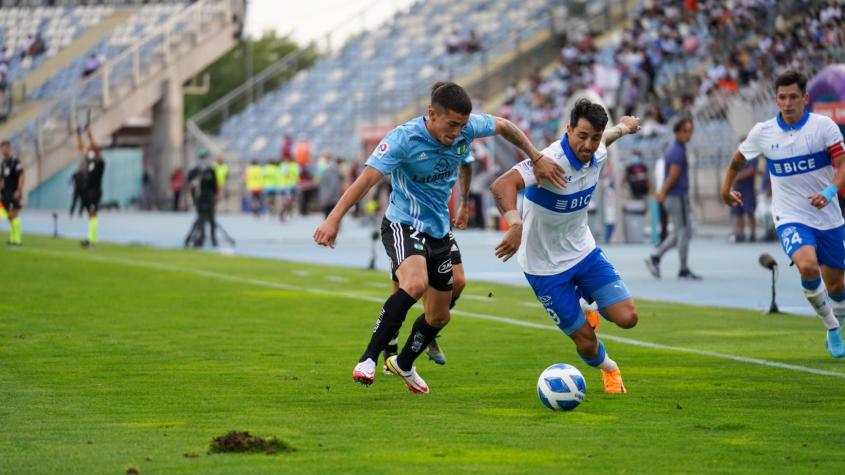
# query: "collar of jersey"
{"points": [[796, 126], [570, 155]]}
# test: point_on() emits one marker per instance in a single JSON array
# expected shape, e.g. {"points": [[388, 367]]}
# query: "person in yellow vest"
{"points": [[289, 173], [271, 184], [254, 178], [221, 172]]}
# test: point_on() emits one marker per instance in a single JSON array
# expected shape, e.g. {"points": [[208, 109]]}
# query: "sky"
{"points": [[308, 20]]}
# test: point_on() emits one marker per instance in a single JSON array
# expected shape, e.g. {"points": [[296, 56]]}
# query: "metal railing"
{"points": [[120, 76]]}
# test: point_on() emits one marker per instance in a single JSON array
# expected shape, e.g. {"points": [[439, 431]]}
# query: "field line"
{"points": [[479, 316]]}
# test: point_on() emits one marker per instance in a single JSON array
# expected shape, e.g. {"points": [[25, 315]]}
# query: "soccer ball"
{"points": [[561, 387]]}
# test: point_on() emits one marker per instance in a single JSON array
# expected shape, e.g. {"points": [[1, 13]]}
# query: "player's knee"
{"points": [[438, 320], [415, 287], [809, 270], [629, 319]]}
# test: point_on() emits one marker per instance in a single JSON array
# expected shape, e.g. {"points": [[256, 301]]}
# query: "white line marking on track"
{"points": [[336, 278], [479, 316]]}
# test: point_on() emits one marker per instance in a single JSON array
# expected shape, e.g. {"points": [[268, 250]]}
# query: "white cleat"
{"points": [[413, 380], [365, 372]]}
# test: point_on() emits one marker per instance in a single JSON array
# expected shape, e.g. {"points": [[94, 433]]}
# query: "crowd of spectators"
{"points": [[677, 55]]}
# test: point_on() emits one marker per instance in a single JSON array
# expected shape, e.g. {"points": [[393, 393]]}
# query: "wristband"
{"points": [[829, 192], [512, 217]]}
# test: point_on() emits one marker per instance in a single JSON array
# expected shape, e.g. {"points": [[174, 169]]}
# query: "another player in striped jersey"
{"points": [[800, 148]]}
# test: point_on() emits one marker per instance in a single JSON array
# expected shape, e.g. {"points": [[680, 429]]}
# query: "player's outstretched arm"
{"points": [[731, 197], [326, 232], [627, 125], [80, 145], [93, 143], [544, 167], [504, 191]]}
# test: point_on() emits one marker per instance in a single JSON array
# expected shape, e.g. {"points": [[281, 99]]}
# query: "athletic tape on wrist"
{"points": [[512, 217], [829, 192]]}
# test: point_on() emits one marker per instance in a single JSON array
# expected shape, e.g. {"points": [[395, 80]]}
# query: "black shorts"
{"points": [[10, 203], [401, 241], [91, 200], [456, 251]]}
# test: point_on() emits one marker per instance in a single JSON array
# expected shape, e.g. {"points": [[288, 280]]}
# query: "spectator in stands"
{"points": [[472, 43], [27, 45], [92, 64], [745, 184], [37, 47], [287, 147], [454, 43], [177, 183], [5, 56]]}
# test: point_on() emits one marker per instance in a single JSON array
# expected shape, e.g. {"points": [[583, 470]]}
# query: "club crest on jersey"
{"points": [[381, 149], [545, 299], [462, 149], [418, 246]]}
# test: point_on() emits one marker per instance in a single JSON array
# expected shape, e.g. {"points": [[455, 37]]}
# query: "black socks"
{"points": [[389, 321]]}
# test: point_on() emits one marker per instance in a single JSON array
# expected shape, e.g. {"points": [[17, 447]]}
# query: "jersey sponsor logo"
{"points": [[800, 164], [442, 171], [381, 149], [445, 267], [560, 203]]}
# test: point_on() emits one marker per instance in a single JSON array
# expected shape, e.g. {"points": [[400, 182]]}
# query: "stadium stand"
{"points": [[378, 74]]}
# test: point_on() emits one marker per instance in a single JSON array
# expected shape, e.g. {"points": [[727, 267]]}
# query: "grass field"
{"points": [[133, 357]]}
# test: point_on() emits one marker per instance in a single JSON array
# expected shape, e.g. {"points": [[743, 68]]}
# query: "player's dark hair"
{"points": [[5, 142], [451, 96], [681, 123], [790, 77], [593, 113]]}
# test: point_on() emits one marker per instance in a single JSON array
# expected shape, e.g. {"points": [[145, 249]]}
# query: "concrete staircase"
{"points": [[27, 109], [186, 44]]}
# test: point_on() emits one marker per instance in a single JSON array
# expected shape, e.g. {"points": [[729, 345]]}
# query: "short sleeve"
{"points": [[526, 169], [831, 133], [750, 147], [19, 166], [388, 154], [481, 125]]}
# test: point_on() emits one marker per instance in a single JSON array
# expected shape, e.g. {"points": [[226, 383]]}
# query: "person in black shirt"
{"points": [[202, 183], [11, 190], [93, 191], [77, 181]]}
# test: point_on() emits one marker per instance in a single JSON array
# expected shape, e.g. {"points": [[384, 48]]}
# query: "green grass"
{"points": [[114, 358]]}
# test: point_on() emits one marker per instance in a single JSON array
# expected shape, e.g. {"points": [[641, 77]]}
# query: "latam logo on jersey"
{"points": [[800, 164], [441, 172]]}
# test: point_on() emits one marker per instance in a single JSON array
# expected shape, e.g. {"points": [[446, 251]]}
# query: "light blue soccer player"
{"points": [[554, 245], [800, 148], [422, 157]]}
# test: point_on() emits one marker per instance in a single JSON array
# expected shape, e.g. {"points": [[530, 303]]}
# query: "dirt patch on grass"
{"points": [[244, 442]]}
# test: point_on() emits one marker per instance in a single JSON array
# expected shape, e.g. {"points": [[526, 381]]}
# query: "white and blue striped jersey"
{"points": [[555, 234], [423, 171], [799, 163]]}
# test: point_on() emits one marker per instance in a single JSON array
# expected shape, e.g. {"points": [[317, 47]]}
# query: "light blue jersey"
{"points": [[423, 171]]}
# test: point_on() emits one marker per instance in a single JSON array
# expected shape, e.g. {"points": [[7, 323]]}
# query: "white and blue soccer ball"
{"points": [[561, 387]]}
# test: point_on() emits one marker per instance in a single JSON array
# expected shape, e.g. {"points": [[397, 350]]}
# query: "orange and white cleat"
{"points": [[613, 382]]}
